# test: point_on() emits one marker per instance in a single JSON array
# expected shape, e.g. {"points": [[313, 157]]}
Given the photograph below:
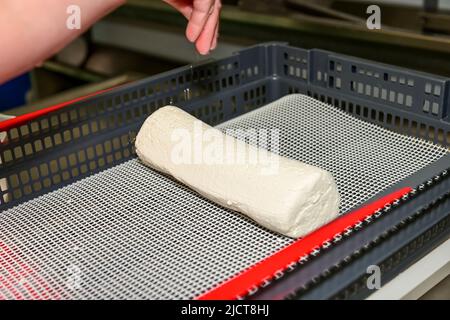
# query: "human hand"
{"points": [[203, 25]]}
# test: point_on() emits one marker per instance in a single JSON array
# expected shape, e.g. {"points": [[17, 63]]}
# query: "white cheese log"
{"points": [[294, 199]]}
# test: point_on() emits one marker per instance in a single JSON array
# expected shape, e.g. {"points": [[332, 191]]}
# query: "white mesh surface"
{"points": [[129, 232]]}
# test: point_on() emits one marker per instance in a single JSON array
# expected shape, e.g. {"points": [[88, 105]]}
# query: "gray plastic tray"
{"points": [[47, 151]]}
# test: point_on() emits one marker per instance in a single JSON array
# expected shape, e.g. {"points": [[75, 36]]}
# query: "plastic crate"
{"points": [[53, 147]]}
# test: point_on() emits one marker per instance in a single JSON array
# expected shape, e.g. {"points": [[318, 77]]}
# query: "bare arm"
{"points": [[31, 31], [34, 30]]}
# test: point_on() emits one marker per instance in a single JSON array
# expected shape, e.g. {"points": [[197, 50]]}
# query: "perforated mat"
{"points": [[130, 232]]}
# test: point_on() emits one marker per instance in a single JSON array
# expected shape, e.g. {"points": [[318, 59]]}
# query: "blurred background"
{"points": [[146, 37]]}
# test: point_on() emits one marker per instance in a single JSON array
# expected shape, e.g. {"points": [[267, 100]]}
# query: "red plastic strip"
{"points": [[23, 119], [241, 283]]}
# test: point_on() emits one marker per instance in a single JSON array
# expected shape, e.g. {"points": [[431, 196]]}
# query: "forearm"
{"points": [[33, 30]]}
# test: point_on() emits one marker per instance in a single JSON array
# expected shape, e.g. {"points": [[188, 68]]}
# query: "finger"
{"points": [[216, 32], [201, 11], [186, 12], [216, 36], [205, 39], [181, 6]]}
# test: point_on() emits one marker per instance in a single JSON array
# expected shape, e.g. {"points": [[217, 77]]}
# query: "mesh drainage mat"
{"points": [[129, 232]]}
